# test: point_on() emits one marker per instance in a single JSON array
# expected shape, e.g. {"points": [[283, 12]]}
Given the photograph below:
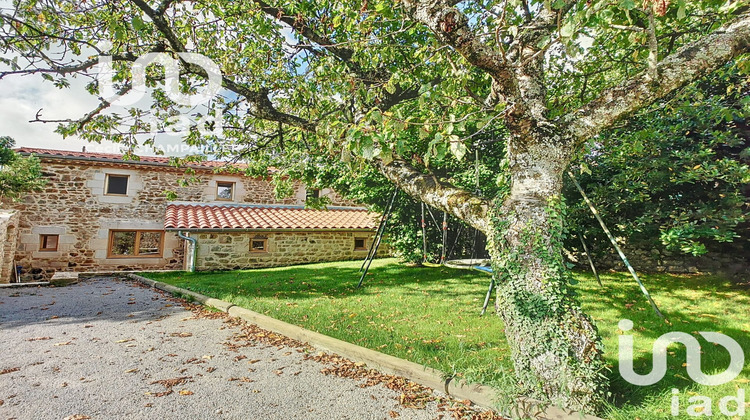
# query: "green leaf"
{"points": [[568, 29], [458, 148], [681, 12], [138, 23], [627, 4]]}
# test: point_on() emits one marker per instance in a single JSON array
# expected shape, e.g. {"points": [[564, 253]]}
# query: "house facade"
{"points": [[100, 213]]}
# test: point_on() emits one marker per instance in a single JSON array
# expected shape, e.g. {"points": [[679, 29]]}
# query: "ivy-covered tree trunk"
{"points": [[555, 346]]}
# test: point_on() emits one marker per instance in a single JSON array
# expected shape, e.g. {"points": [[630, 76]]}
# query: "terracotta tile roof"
{"points": [[206, 216], [114, 158]]}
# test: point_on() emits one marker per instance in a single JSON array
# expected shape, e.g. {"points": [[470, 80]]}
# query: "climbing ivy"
{"points": [[542, 311]]}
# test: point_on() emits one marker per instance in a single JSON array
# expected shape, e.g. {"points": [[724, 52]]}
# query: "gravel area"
{"points": [[108, 349]]}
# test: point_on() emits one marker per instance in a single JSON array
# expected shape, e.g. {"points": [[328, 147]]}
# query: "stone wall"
{"points": [[656, 260], [75, 207], [231, 250], [8, 238]]}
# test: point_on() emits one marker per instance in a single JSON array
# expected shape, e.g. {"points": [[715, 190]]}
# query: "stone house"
{"points": [[100, 213]]}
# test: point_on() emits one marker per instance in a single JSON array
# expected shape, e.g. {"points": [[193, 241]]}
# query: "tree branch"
{"points": [[438, 194], [684, 66], [452, 28], [264, 108]]}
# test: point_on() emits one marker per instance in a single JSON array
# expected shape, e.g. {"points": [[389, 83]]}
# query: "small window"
{"points": [[48, 242], [314, 193], [116, 185], [225, 191], [259, 245], [360, 244], [135, 243]]}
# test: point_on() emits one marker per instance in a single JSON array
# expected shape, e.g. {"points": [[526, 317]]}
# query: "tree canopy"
{"points": [[407, 88], [18, 175], [676, 176]]}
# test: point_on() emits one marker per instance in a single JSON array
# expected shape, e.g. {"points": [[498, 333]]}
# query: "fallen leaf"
{"points": [[124, 341], [63, 344], [393, 414], [131, 371], [9, 370], [186, 392], [77, 417], [39, 338]]}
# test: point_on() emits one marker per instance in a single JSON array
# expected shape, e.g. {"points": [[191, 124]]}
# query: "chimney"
{"points": [[83, 150]]}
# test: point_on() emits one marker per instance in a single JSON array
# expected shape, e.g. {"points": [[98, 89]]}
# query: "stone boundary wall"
{"points": [[231, 250], [8, 240], [661, 261]]}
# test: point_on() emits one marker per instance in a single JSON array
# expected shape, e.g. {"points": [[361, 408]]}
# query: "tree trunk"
{"points": [[555, 347]]}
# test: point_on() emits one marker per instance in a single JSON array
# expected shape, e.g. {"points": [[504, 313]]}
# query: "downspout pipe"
{"points": [[194, 251]]}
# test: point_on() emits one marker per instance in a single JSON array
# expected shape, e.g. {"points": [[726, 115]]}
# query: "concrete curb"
{"points": [[17, 285], [478, 394]]}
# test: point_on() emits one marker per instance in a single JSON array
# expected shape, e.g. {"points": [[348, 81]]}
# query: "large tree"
{"points": [[406, 86]]}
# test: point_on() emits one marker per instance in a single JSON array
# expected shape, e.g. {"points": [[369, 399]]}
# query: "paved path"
{"points": [[109, 349]]}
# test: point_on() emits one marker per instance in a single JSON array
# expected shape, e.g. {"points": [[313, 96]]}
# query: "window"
{"points": [[48, 242], [259, 245], [116, 185], [314, 193], [360, 244], [225, 191], [135, 243]]}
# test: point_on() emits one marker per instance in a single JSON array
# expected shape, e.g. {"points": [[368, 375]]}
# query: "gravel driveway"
{"points": [[109, 349]]}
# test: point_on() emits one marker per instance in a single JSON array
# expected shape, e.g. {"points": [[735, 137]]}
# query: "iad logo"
{"points": [[693, 349], [171, 66]]}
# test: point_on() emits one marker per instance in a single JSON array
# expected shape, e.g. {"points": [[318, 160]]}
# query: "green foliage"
{"points": [[677, 174], [18, 175]]}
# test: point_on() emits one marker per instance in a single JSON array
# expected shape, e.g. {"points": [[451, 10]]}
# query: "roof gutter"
{"points": [[178, 230], [194, 249]]}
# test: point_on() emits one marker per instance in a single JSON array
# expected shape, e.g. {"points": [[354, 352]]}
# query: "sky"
{"points": [[21, 97]]}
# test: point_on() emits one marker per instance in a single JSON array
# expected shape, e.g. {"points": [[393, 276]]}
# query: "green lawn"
{"points": [[431, 316]]}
